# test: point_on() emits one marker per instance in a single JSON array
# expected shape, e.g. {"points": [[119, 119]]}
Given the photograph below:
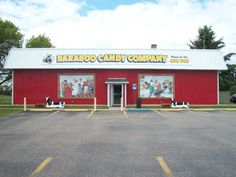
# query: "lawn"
{"points": [[7, 111], [4, 99]]}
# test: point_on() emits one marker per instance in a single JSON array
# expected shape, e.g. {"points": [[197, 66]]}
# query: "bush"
{"points": [[224, 97], [232, 90], [5, 90]]}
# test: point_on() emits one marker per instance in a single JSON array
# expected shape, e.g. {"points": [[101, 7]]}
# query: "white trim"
{"points": [[121, 104], [108, 95], [125, 95], [122, 94], [218, 88], [12, 91], [117, 83], [112, 95]]}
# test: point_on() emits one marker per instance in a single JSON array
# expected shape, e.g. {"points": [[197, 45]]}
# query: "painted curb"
{"points": [[76, 110], [206, 109], [41, 110], [135, 109], [229, 109], [173, 110]]}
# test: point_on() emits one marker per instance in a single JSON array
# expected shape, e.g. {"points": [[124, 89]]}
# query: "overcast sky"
{"points": [[170, 24]]}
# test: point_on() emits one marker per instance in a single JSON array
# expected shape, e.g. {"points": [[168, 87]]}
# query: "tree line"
{"points": [[12, 37]]}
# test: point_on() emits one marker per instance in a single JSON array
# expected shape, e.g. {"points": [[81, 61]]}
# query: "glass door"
{"points": [[117, 95]]}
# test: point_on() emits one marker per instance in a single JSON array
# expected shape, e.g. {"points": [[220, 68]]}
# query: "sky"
{"points": [[170, 24]]}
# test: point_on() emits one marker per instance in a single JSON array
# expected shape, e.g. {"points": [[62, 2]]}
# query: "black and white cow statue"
{"points": [[52, 104], [175, 104]]}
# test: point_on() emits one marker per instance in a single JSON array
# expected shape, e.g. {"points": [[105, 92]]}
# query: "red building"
{"points": [[77, 76]]}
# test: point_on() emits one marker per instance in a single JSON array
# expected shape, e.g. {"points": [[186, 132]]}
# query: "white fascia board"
{"points": [[35, 59]]}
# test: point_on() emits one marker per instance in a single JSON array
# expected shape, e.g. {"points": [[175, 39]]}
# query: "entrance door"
{"points": [[116, 88], [117, 95]]}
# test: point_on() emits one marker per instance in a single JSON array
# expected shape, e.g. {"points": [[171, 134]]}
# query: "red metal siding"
{"points": [[197, 87]]}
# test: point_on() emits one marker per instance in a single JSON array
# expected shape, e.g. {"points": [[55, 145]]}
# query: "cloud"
{"points": [[29, 14], [168, 23]]}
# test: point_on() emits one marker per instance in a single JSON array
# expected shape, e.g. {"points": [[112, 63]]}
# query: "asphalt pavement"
{"points": [[118, 144]]}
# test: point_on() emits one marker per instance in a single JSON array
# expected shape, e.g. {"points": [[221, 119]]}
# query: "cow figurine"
{"points": [[52, 104], [175, 104]]}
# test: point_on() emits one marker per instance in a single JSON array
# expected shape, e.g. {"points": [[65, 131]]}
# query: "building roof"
{"points": [[117, 81], [53, 58]]}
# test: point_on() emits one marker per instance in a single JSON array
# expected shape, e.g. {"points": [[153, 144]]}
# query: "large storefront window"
{"points": [[156, 86], [76, 86]]}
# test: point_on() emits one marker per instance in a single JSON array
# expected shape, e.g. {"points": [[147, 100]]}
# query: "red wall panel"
{"points": [[197, 87]]}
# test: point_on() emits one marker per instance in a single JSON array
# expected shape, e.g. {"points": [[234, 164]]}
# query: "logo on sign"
{"points": [[48, 59]]}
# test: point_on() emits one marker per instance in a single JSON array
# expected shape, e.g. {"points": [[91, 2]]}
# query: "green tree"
{"points": [[10, 36], [227, 78], [228, 56], [206, 39], [41, 41]]}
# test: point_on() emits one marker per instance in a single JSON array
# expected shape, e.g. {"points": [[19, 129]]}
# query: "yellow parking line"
{"points": [[126, 115], [160, 113], [53, 113], [91, 113], [41, 166], [164, 166]]}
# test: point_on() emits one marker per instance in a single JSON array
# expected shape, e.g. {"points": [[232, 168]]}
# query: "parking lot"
{"points": [[118, 144]]}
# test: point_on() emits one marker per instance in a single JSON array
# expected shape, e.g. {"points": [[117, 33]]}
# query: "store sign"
{"points": [[134, 86], [112, 58], [120, 58], [115, 59]]}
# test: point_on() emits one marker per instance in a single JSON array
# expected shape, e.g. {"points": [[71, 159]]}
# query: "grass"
{"points": [[4, 99], [5, 106], [7, 111]]}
